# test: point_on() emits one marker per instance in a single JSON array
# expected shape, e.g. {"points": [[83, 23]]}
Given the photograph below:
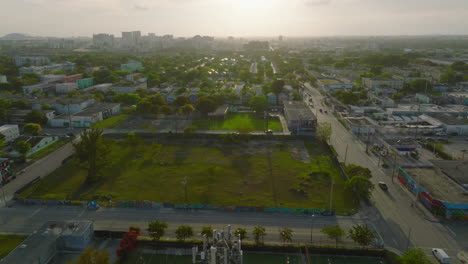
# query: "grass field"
{"points": [[111, 122], [46, 151], [8, 243], [253, 258], [236, 122], [257, 173]]}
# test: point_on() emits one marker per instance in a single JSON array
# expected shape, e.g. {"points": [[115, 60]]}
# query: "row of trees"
{"points": [[360, 234]]}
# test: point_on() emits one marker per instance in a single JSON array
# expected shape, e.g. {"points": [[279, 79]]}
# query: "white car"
{"points": [[441, 134]]}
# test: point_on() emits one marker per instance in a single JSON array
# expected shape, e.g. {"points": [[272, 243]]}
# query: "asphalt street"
{"points": [[401, 225]]}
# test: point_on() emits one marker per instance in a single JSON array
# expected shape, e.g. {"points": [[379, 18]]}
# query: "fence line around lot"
{"points": [[156, 205]]}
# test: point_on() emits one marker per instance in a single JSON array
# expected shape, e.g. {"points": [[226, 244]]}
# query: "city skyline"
{"points": [[242, 18]]}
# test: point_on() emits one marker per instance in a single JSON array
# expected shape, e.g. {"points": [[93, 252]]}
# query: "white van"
{"points": [[441, 256]]}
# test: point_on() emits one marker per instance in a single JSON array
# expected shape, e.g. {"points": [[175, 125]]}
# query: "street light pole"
{"points": [[346, 154], [312, 229], [331, 196]]}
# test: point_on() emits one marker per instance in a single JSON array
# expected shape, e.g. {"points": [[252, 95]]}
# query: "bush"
{"points": [[190, 129]]}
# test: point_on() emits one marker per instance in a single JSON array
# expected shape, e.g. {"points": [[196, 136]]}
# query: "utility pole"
{"points": [[367, 142], [331, 195], [3, 194], [346, 154], [184, 183], [394, 166]]}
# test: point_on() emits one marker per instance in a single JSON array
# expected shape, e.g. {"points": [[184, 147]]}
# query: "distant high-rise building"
{"points": [[280, 38], [131, 39], [103, 40]]}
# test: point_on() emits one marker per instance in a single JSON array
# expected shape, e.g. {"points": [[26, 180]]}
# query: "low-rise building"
{"points": [[72, 106], [361, 125], [37, 143], [18, 116], [456, 125], [299, 117], [31, 60], [72, 78], [85, 83], [131, 66], [9, 132], [87, 117], [374, 83], [40, 87], [52, 238], [3, 79], [332, 85], [63, 88]]}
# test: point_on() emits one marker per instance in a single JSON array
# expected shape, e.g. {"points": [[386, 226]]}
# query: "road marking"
{"points": [[451, 231]]}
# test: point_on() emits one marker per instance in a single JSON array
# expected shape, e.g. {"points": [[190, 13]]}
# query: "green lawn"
{"points": [[239, 122], [8, 243], [111, 122], [260, 173], [46, 151]]}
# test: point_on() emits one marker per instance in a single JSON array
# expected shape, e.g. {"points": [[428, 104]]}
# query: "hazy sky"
{"points": [[234, 17]]}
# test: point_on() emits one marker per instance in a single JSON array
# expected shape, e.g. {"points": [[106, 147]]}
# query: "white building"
{"points": [[31, 60], [87, 117], [63, 88], [377, 83], [40, 87], [72, 106], [3, 79], [11, 132]]}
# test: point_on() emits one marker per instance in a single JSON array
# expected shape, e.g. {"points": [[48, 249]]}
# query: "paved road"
{"points": [[391, 211], [253, 67], [39, 168], [26, 219]]}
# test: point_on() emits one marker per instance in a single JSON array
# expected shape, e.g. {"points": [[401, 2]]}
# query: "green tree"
{"points": [[324, 131], [93, 151], [208, 231], [23, 148], [166, 110], [276, 88], [333, 232], [296, 96], [156, 229], [360, 186], [285, 235], [127, 98], [93, 256], [30, 79], [259, 233], [32, 128], [181, 100], [2, 144], [356, 170], [241, 233], [35, 116], [450, 77], [414, 256], [105, 76], [258, 103], [186, 110], [419, 86], [183, 232], [362, 235], [205, 105]]}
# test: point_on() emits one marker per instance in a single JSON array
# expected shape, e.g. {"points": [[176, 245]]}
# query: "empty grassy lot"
{"points": [[236, 122], [254, 173], [8, 243]]}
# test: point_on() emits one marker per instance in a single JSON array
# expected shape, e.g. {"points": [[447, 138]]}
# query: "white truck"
{"points": [[441, 256]]}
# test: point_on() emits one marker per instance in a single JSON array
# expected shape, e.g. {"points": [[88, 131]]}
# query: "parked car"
{"points": [[441, 134], [429, 139], [269, 132], [441, 256], [383, 186]]}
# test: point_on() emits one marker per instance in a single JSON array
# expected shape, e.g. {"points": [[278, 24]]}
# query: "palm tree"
{"points": [[258, 233]]}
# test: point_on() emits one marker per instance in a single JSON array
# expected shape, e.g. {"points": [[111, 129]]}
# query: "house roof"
{"points": [[297, 110]]}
